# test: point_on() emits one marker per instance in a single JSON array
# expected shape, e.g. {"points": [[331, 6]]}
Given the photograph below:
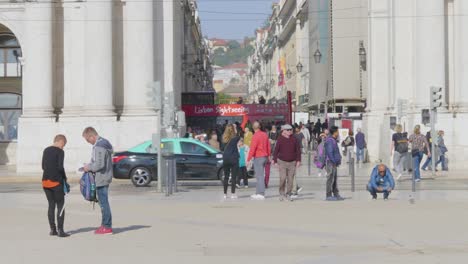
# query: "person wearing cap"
{"points": [[287, 154], [381, 181]]}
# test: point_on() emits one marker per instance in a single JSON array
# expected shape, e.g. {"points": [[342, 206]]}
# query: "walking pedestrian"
{"points": [[101, 166], [306, 134], [54, 183], [348, 145], [318, 128], [442, 149], [243, 151], [260, 152], [333, 162], [287, 155], [230, 159], [360, 145], [247, 136], [214, 141], [428, 161], [399, 150], [418, 144]]}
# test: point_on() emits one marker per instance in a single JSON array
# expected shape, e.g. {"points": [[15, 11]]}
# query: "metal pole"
{"points": [[433, 137], [351, 170], [309, 160], [167, 179], [413, 187], [174, 171]]}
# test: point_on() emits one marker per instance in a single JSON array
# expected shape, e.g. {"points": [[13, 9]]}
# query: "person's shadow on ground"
{"points": [[115, 230]]}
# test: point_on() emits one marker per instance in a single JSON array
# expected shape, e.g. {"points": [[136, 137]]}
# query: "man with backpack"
{"points": [[333, 161], [287, 154], [101, 166], [399, 149]]}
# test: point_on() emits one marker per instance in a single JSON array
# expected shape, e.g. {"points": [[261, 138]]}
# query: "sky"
{"points": [[232, 19]]}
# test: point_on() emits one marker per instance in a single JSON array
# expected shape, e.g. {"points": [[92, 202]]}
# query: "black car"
{"points": [[194, 159]]}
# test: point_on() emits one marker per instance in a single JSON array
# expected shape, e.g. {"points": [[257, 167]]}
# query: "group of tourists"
{"points": [[55, 185]]}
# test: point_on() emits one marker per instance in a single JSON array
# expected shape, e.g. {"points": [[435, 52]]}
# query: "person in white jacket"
{"points": [[306, 134]]}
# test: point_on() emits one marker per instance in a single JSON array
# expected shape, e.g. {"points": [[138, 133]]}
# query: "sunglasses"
{"points": [[288, 129]]}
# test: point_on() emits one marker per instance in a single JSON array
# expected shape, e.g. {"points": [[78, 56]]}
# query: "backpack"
{"points": [[88, 187], [402, 144], [321, 157]]}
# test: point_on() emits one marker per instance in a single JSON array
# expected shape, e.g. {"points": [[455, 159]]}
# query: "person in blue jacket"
{"points": [[381, 181], [333, 161]]}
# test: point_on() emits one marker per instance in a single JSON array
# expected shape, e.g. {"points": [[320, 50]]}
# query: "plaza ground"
{"points": [[195, 225]]}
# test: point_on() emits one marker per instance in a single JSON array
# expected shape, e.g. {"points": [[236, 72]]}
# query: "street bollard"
{"points": [[413, 172], [310, 161], [171, 174], [352, 171]]}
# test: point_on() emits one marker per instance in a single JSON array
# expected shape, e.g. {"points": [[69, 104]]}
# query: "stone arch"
{"points": [[11, 72]]}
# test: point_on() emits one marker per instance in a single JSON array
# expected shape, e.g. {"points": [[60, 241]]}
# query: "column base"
{"points": [[122, 135]]}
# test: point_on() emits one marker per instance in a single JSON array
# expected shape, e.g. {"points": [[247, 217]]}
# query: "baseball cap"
{"points": [[286, 127]]}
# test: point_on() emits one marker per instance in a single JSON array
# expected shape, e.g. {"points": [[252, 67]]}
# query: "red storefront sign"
{"points": [[236, 110]]}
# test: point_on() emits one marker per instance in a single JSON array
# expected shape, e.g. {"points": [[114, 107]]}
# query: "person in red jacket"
{"points": [[287, 155], [260, 151]]}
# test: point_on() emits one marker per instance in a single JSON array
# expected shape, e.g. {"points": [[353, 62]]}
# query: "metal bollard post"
{"points": [[310, 161], [168, 178], [351, 171], [174, 172], [413, 187]]}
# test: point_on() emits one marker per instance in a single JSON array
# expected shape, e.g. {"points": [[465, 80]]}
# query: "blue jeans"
{"points": [[427, 163], [442, 160], [416, 164], [103, 197], [360, 154]]}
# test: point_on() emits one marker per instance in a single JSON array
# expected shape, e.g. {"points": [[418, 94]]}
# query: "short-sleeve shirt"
{"points": [[418, 141]]}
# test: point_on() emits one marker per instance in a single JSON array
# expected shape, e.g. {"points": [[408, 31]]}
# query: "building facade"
{"points": [[414, 45], [69, 65]]}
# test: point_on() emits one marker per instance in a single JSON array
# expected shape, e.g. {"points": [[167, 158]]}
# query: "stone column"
{"points": [[461, 55], [74, 61], [37, 53], [138, 57], [429, 49], [98, 59]]}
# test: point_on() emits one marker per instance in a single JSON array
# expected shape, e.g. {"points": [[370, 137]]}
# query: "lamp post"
{"points": [[317, 55], [362, 64]]}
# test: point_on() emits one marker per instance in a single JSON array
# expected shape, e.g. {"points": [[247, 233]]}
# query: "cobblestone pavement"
{"points": [[196, 225]]}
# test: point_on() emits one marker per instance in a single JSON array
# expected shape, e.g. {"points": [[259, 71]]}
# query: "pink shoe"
{"points": [[98, 230], [103, 231]]}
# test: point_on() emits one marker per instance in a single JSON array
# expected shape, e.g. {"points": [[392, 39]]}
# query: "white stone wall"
{"points": [[88, 77], [409, 54]]}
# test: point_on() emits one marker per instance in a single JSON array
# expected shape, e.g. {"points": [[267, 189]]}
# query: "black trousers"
{"points": [[243, 176], [233, 171], [56, 198]]}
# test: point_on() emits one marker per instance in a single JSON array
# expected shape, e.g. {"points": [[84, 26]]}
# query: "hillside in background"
{"points": [[233, 53]]}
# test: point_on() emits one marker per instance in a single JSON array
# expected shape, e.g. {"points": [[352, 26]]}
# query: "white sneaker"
{"points": [[233, 196], [253, 196], [225, 197], [260, 197], [417, 180], [399, 176]]}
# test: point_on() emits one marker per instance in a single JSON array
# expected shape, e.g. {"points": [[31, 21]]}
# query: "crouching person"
{"points": [[381, 181]]}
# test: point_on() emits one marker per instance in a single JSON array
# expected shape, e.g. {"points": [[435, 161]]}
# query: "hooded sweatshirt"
{"points": [[101, 162]]}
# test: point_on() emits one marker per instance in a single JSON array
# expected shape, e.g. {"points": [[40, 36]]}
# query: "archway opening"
{"points": [[11, 72]]}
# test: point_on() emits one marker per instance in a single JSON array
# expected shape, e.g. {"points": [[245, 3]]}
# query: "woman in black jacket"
{"points": [[230, 159], [54, 183]]}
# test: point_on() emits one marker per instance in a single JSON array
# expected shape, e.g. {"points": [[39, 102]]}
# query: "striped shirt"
{"points": [[418, 141]]}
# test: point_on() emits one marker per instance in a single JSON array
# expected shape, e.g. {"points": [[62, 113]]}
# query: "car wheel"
{"points": [[140, 176]]}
